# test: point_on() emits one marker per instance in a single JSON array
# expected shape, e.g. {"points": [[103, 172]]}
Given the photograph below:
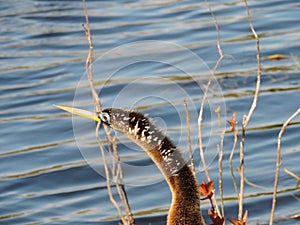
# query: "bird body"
{"points": [[185, 206]]}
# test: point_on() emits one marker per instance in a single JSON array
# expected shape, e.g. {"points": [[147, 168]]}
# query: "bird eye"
{"points": [[105, 117]]}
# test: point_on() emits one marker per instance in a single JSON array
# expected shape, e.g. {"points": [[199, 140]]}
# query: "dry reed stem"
{"points": [[116, 171], [89, 60], [221, 154], [220, 163], [111, 198], [254, 185], [291, 174], [247, 118], [189, 135], [203, 102], [278, 164], [258, 58], [235, 135], [119, 181], [200, 117], [117, 174], [242, 175]]}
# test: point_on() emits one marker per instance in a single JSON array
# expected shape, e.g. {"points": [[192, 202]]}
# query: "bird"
{"points": [[185, 205]]}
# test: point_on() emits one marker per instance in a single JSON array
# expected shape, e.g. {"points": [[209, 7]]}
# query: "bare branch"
{"points": [[278, 164], [218, 32], [111, 198], [204, 99], [258, 58], [291, 174], [189, 135], [89, 59], [220, 162], [235, 136], [206, 91], [221, 154], [116, 170], [247, 118]]}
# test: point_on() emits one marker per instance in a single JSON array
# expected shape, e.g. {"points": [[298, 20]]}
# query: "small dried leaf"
{"points": [[234, 221], [240, 222], [215, 218], [206, 189], [232, 122]]}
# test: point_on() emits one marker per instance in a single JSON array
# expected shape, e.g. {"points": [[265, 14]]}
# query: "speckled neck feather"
{"points": [[185, 207]]}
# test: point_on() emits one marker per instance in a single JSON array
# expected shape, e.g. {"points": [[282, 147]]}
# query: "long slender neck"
{"points": [[185, 207]]}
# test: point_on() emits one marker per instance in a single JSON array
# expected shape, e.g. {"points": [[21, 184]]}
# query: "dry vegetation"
{"points": [[114, 174]]}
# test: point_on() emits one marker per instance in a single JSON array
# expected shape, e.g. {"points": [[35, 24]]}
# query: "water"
{"points": [[47, 175]]}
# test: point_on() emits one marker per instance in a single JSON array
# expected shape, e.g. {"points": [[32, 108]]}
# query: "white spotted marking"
{"points": [[136, 128]]}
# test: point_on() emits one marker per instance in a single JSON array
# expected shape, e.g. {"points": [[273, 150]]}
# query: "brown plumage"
{"points": [[185, 206]]}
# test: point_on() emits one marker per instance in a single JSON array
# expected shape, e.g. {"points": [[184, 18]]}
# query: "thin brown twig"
{"points": [[278, 164], [220, 162], [250, 183], [221, 154], [204, 99], [291, 174], [217, 30], [89, 59], [242, 174], [106, 169], [206, 91], [200, 117], [120, 184], [258, 58], [89, 72], [189, 135], [247, 118], [235, 136], [117, 172]]}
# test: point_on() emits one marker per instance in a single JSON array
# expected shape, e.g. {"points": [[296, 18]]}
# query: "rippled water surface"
{"points": [[151, 55]]}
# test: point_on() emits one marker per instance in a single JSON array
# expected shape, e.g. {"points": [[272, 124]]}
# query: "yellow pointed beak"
{"points": [[80, 112]]}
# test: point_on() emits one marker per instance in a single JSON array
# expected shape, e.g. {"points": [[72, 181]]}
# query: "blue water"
{"points": [[149, 55]]}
